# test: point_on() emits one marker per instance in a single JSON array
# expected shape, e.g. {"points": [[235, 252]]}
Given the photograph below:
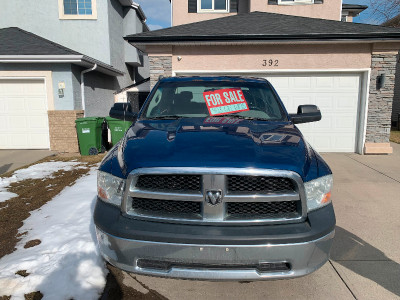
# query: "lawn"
{"points": [[395, 136]]}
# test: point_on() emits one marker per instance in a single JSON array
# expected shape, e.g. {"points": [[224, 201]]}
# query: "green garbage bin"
{"points": [[89, 135], [117, 128]]}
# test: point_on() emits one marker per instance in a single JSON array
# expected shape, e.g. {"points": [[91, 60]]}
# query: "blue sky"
{"points": [[158, 12]]}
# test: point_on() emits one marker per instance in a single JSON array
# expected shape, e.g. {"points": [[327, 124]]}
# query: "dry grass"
{"points": [[33, 194], [395, 136]]}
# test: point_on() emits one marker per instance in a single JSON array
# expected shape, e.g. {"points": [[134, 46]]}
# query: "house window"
{"points": [[291, 2], [213, 5], [77, 9]]}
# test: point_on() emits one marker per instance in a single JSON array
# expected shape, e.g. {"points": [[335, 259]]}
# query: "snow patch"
{"points": [[42, 170], [66, 265]]}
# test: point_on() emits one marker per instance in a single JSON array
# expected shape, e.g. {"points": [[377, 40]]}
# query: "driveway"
{"points": [[14, 159], [365, 259]]}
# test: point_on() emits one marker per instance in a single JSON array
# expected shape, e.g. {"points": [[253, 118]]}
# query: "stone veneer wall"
{"points": [[396, 98], [159, 65], [380, 101], [63, 137]]}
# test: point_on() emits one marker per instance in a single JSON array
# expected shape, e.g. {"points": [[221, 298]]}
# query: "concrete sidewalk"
{"points": [[14, 159], [365, 259]]}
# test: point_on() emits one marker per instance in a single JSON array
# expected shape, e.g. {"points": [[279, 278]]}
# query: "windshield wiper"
{"points": [[171, 117]]}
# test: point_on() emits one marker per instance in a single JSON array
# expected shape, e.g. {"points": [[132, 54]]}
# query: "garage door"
{"points": [[337, 96], [23, 114]]}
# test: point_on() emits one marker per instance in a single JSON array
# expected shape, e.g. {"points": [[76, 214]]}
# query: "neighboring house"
{"points": [[60, 60], [395, 23], [302, 48]]}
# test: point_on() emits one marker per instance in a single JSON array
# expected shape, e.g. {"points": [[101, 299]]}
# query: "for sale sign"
{"points": [[225, 101]]}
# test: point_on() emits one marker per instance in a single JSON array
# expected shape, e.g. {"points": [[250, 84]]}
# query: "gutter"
{"points": [[83, 87], [81, 60]]}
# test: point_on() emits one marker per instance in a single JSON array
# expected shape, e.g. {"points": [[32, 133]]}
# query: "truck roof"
{"points": [[213, 78]]}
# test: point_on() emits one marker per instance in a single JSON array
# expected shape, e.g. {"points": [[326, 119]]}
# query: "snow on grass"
{"points": [[42, 170], [66, 264]]}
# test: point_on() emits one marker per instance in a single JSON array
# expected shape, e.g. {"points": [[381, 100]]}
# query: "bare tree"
{"points": [[384, 10]]}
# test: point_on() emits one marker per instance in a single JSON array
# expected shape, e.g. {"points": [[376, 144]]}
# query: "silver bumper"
{"points": [[304, 258]]}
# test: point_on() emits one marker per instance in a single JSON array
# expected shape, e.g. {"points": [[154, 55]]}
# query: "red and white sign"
{"points": [[225, 101]]}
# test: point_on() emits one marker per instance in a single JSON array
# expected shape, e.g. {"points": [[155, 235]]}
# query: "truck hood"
{"points": [[216, 142]]}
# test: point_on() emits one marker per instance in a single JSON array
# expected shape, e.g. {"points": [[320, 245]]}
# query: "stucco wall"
{"points": [[99, 93], [251, 57], [59, 73], [41, 17], [330, 9]]}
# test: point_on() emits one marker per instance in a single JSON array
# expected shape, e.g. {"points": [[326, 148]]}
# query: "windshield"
{"points": [[249, 100]]}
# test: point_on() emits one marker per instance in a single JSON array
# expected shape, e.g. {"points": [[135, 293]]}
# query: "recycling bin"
{"points": [[117, 128], [89, 135]]}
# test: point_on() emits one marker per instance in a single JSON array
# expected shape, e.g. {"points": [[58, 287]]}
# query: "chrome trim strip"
{"points": [[213, 178], [166, 196], [261, 197]]}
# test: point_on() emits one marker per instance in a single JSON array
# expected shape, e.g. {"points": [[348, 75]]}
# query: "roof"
{"points": [[394, 22], [17, 45], [213, 78], [263, 26]]}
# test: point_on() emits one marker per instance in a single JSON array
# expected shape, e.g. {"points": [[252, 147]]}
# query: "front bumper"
{"points": [[191, 259]]}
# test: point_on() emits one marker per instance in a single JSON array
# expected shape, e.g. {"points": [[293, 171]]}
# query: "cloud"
{"points": [[158, 12], [154, 26]]}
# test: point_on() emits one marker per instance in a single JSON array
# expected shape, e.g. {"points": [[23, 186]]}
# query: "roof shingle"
{"points": [[264, 26]]}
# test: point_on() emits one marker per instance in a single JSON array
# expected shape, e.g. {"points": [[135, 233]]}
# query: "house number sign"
{"points": [[270, 63]]}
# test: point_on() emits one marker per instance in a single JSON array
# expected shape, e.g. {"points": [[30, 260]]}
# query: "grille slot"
{"points": [[166, 266], [259, 184], [154, 206], [169, 182], [263, 210]]}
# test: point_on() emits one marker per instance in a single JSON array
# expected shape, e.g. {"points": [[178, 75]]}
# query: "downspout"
{"points": [[83, 87]]}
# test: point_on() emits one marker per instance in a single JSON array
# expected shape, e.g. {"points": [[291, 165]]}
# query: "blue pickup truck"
{"points": [[214, 181]]}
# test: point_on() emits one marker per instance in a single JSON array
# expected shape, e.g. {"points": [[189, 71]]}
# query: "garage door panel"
{"points": [[23, 114]]}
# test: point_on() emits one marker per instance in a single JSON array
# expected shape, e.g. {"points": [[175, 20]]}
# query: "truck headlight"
{"points": [[110, 188], [318, 192]]}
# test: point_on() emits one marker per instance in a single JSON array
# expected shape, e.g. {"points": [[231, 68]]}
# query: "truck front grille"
{"points": [[263, 210], [182, 195], [170, 182], [259, 184], [151, 206]]}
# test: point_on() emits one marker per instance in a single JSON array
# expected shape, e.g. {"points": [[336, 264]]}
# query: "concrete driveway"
{"points": [[365, 259], [14, 159]]}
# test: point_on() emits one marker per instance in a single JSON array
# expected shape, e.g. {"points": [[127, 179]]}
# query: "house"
{"points": [[303, 48], [395, 23], [60, 60]]}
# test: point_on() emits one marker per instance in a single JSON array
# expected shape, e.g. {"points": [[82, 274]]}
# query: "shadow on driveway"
{"points": [[364, 259]]}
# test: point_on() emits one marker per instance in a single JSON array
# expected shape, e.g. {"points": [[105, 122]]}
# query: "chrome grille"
{"points": [[166, 206], [170, 182], [249, 196], [246, 210], [259, 184]]}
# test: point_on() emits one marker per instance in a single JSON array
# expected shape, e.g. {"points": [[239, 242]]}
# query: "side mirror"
{"points": [[122, 111], [306, 114]]}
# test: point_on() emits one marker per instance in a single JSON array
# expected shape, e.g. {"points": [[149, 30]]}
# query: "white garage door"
{"points": [[337, 96], [23, 114]]}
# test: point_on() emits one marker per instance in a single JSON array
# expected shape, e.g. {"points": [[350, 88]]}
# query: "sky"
{"points": [[158, 13]]}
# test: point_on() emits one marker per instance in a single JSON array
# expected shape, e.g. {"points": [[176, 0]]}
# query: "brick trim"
{"points": [[63, 137]]}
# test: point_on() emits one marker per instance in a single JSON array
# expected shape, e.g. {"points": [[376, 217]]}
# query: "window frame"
{"points": [[295, 2], [212, 10], [63, 16]]}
